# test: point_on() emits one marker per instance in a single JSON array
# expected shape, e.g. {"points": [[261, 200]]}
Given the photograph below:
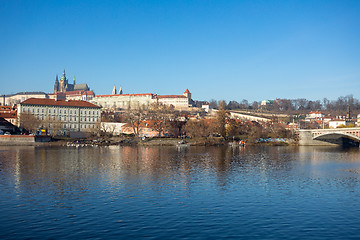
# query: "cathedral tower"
{"points": [[56, 85], [187, 94], [114, 90]]}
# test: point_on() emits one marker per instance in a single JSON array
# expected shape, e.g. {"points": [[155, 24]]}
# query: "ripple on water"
{"points": [[163, 193]]}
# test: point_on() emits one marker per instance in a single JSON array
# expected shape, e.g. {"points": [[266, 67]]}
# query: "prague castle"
{"points": [[65, 90], [64, 86], [123, 101]]}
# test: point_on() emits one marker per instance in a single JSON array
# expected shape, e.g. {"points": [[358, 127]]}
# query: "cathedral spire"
{"points": [[63, 76], [114, 90], [56, 85]]}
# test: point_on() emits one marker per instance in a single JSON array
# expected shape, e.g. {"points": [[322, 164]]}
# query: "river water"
{"points": [[179, 193]]}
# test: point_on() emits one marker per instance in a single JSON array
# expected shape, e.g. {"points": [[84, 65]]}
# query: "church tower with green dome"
{"points": [[64, 86]]}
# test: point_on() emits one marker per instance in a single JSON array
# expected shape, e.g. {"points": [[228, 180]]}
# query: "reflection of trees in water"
{"points": [[70, 172], [170, 164]]}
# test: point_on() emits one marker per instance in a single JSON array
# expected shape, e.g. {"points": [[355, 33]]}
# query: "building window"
{"points": [[64, 111]]}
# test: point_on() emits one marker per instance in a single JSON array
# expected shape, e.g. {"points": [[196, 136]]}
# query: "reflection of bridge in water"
{"points": [[338, 136]]}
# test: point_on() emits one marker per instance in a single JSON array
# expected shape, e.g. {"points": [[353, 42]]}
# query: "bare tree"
{"points": [[213, 103], [135, 116], [29, 121], [53, 125], [197, 128], [108, 128], [221, 116], [174, 127], [160, 114]]}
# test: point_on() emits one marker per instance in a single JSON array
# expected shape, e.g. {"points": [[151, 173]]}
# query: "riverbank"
{"points": [[126, 140], [107, 141], [130, 140]]}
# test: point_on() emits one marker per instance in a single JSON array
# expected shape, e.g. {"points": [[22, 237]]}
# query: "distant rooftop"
{"points": [[53, 102], [24, 93]]}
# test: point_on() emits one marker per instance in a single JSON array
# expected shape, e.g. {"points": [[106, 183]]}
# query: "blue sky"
{"points": [[230, 50]]}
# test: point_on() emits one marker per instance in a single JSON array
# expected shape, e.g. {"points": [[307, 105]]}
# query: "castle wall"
{"points": [[176, 102], [122, 101]]}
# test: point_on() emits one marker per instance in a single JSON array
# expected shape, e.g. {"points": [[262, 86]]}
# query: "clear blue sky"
{"points": [[230, 50]]}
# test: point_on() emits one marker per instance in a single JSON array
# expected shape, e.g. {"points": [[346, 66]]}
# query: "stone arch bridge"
{"points": [[337, 136]]}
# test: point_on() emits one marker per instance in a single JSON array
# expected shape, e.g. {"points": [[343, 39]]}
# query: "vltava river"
{"points": [[189, 193]]}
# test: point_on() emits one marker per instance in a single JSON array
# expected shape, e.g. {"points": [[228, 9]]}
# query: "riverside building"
{"points": [[72, 115]]}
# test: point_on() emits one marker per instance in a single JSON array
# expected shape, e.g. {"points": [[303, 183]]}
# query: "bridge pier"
{"points": [[306, 139]]}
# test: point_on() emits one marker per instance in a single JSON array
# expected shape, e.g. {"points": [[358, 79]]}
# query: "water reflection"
{"points": [[222, 191], [67, 168]]}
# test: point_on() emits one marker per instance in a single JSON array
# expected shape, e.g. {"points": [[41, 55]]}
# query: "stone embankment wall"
{"points": [[22, 139]]}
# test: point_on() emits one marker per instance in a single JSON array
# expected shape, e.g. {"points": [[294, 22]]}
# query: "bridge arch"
{"points": [[338, 138]]}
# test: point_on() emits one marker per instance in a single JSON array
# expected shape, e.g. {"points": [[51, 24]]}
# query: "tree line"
{"points": [[165, 120], [300, 105]]}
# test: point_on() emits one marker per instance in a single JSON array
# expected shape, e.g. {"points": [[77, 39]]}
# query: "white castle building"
{"points": [[124, 101]]}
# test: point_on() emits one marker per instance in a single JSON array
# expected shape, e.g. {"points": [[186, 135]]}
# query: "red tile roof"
{"points": [[187, 91], [80, 92], [88, 93], [73, 92], [5, 108], [53, 102], [8, 115]]}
